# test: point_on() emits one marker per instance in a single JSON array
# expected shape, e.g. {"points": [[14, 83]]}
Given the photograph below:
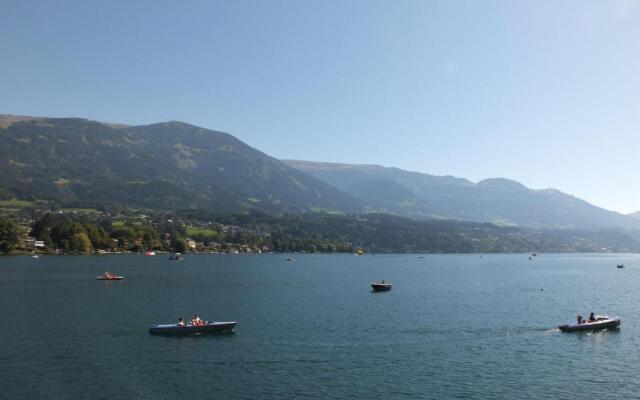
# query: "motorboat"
{"points": [[601, 322], [289, 259], [191, 329], [620, 266], [381, 286], [150, 253], [176, 257], [109, 276]]}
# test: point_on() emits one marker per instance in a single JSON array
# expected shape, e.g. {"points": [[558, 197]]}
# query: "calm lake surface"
{"points": [[454, 326]]}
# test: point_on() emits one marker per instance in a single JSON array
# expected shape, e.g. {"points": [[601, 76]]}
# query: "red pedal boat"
{"points": [[109, 276]]}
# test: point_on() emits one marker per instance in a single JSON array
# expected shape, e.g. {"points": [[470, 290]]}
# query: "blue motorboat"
{"points": [[191, 329]]}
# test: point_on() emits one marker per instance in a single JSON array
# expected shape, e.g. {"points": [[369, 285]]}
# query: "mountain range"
{"points": [[73, 162], [501, 201]]}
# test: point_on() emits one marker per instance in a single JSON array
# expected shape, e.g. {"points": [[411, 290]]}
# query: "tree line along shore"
{"points": [[54, 233], [69, 232]]}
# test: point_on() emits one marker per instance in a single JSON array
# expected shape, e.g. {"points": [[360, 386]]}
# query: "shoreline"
{"points": [[19, 253]]}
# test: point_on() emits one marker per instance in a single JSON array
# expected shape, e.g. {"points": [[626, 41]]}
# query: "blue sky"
{"points": [[543, 92]]}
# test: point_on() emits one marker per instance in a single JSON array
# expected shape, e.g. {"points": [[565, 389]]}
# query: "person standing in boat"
{"points": [[579, 317], [180, 322]]}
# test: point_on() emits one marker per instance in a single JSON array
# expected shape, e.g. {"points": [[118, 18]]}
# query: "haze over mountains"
{"points": [[174, 165], [502, 201]]}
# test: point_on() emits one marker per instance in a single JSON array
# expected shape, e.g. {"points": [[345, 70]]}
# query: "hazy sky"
{"points": [[543, 92]]}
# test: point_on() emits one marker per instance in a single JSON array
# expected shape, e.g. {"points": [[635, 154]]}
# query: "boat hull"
{"points": [[116, 278], [593, 326], [381, 287], [174, 329]]}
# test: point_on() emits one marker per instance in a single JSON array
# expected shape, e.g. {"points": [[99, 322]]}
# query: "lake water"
{"points": [[454, 326]]}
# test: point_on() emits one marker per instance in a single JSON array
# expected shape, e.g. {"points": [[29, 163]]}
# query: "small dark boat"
{"points": [[381, 286], [176, 257], [289, 259], [620, 265], [602, 322], [208, 327], [109, 276]]}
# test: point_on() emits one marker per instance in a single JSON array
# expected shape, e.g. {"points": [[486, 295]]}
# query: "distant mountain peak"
{"points": [[502, 183], [177, 124]]}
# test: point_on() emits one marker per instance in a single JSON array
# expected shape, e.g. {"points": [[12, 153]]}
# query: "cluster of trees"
{"points": [[83, 235], [9, 235], [70, 235]]}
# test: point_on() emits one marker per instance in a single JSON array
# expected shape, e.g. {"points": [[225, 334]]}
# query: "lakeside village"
{"points": [[75, 232]]}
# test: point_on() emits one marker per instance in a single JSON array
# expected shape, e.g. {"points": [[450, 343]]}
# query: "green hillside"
{"points": [[72, 162]]}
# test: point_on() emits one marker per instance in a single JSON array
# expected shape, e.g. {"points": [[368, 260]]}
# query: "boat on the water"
{"points": [[109, 276], [620, 265], [150, 253], [289, 259], [176, 257], [602, 322], [381, 286], [190, 329]]}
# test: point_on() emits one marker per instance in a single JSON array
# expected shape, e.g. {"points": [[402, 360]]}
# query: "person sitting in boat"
{"points": [[181, 322], [592, 318], [579, 319], [196, 320]]}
